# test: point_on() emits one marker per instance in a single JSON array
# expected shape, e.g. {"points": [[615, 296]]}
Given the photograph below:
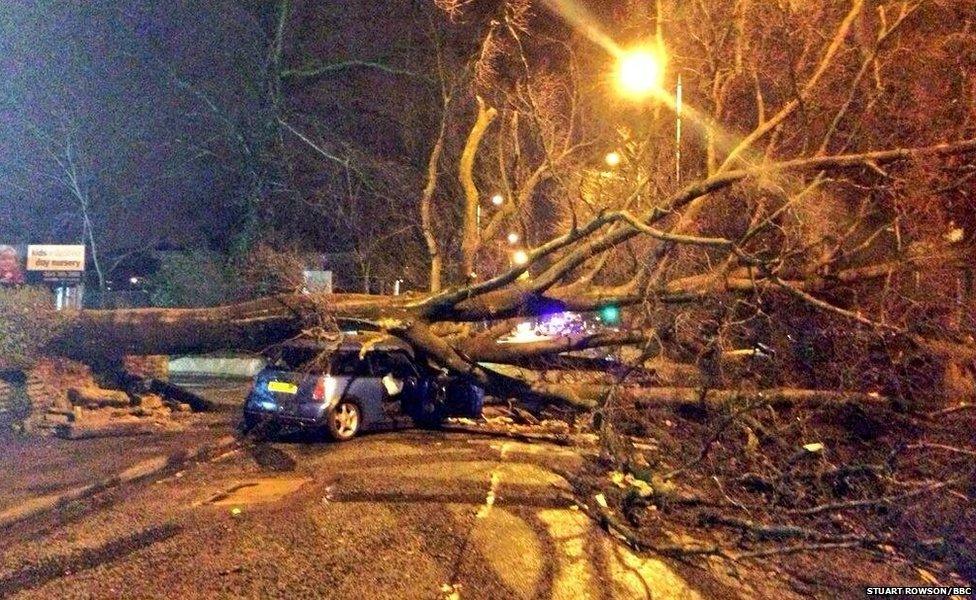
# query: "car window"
{"points": [[298, 358], [397, 363], [349, 364]]}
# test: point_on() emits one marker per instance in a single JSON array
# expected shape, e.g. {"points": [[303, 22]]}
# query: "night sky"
{"points": [[144, 88]]}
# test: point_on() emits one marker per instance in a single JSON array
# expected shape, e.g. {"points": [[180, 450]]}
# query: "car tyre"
{"points": [[343, 421], [465, 400], [431, 410]]}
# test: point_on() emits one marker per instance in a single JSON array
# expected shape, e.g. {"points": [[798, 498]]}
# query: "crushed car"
{"points": [[362, 383]]}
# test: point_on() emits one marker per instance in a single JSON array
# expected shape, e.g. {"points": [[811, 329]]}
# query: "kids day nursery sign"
{"points": [[56, 263]]}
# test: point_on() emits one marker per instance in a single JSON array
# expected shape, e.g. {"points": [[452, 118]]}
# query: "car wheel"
{"points": [[465, 400], [343, 421], [431, 410]]}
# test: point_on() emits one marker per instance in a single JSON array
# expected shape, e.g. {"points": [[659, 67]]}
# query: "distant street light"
{"points": [[513, 238], [520, 257], [498, 199], [612, 159], [640, 73]]}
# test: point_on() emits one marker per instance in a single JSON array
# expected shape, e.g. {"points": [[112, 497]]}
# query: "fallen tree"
{"points": [[798, 231], [548, 282]]}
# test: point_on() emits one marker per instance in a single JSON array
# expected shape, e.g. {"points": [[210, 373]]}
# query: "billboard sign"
{"points": [[11, 269], [55, 263], [56, 258]]}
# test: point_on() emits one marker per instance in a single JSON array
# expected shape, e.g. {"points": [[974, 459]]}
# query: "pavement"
{"points": [[407, 514]]}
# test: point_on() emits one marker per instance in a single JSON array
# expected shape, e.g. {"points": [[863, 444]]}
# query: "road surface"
{"points": [[408, 514]]}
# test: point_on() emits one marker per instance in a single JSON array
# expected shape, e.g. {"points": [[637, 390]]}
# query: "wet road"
{"points": [[408, 514]]}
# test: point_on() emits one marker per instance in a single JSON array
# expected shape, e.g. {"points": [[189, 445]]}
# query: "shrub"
{"points": [[28, 321]]}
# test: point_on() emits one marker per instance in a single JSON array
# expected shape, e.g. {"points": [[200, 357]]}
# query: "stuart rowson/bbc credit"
{"points": [[935, 590]]}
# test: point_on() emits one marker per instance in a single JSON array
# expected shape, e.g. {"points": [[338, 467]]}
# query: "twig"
{"points": [[610, 523], [882, 500], [776, 532], [559, 439], [950, 410], [933, 446], [798, 548], [707, 446], [728, 498]]}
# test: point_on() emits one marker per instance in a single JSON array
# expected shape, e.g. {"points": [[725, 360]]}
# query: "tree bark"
{"points": [[426, 206], [470, 238]]}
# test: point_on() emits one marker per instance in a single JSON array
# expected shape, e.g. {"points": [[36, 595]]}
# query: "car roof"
{"points": [[354, 342]]}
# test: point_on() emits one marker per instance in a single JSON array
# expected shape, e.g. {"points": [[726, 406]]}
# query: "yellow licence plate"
{"points": [[283, 387]]}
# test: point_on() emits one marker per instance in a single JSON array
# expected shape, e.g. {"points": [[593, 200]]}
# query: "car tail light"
{"points": [[325, 389]]}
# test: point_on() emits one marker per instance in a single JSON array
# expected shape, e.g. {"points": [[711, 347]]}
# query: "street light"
{"points": [[612, 159], [513, 238], [520, 257], [640, 73], [498, 199]]}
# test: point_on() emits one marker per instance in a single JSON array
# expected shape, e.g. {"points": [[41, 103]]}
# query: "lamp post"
{"points": [[677, 131]]}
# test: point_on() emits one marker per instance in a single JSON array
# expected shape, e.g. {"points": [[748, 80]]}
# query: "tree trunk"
{"points": [[426, 201], [470, 239]]}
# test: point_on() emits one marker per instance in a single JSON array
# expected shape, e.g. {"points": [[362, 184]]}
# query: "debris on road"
{"points": [[550, 431], [67, 401]]}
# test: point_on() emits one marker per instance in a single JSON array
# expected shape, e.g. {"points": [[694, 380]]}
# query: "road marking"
{"points": [[452, 591], [496, 477], [490, 497]]}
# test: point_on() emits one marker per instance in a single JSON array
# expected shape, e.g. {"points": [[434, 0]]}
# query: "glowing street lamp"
{"points": [[520, 257], [513, 238], [498, 199], [612, 159], [640, 73]]}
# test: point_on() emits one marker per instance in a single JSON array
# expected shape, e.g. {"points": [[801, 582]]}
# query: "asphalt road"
{"points": [[408, 514]]}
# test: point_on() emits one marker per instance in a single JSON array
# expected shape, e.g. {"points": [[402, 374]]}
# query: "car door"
{"points": [[357, 384], [400, 386]]}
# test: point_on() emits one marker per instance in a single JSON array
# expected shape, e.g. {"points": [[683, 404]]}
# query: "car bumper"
{"points": [[308, 415]]}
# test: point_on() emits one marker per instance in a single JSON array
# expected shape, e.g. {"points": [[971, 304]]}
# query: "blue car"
{"points": [[344, 390]]}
